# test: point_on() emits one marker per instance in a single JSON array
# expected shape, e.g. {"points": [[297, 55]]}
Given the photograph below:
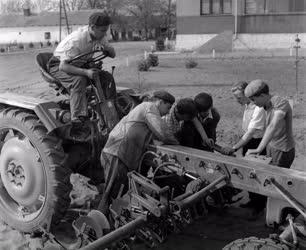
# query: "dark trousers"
{"points": [[281, 158], [252, 144], [190, 137], [76, 87], [258, 201], [116, 180]]}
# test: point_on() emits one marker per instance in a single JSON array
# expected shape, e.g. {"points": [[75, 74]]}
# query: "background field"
{"points": [[19, 74]]}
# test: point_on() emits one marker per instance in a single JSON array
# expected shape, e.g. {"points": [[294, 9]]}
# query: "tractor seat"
{"points": [[42, 60]]}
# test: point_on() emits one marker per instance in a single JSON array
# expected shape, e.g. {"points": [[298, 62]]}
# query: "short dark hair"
{"points": [[164, 95], [186, 106], [203, 101], [99, 19]]}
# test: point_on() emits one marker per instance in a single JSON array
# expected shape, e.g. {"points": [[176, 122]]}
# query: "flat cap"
{"points": [[99, 19], [164, 95], [254, 87]]}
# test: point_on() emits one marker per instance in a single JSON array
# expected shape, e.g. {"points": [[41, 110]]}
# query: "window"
{"points": [[274, 6], [47, 35], [216, 7]]}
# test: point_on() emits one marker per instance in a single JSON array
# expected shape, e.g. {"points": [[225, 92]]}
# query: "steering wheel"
{"points": [[83, 63]]}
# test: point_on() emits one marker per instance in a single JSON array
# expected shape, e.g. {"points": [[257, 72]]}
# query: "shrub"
{"points": [[2, 50], [49, 44], [31, 45], [136, 38], [169, 46], [160, 44], [153, 59], [191, 63], [21, 46], [143, 65]]}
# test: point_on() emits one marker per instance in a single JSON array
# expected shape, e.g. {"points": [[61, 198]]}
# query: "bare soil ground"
{"points": [[19, 74]]}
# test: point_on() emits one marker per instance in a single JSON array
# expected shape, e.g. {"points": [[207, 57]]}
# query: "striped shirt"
{"points": [[171, 124]]}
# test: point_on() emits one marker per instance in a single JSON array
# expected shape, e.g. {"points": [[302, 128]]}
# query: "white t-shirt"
{"points": [[254, 117], [78, 42]]}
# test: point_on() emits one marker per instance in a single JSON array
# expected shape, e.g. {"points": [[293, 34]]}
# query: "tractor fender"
{"points": [[48, 112]]}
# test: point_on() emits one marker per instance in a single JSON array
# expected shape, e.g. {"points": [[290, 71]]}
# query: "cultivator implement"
{"points": [[170, 189]]}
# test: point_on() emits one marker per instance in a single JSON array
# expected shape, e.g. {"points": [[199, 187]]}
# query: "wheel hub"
{"points": [[21, 173], [15, 173]]}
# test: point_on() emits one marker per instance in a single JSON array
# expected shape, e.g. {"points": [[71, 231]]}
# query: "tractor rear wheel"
{"points": [[254, 243], [34, 182]]}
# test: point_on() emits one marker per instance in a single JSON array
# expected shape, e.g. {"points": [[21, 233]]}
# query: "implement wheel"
{"points": [[254, 243], [34, 183]]}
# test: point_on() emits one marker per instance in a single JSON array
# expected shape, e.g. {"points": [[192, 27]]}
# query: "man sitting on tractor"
{"points": [[75, 79], [128, 140]]}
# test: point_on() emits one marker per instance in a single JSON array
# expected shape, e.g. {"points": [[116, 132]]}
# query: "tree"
{"points": [[168, 10], [145, 12], [73, 5], [11, 6]]}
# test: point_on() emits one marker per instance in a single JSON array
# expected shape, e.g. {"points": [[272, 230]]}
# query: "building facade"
{"points": [[255, 24], [44, 27]]}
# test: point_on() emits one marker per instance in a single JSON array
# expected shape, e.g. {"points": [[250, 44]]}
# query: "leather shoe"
{"points": [[79, 131]]}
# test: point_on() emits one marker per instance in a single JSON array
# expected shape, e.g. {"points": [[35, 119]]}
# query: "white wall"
{"points": [[188, 42], [243, 41], [31, 34], [268, 41]]}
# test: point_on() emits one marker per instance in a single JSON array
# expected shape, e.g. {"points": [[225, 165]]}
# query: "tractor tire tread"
{"points": [[51, 147], [253, 243]]}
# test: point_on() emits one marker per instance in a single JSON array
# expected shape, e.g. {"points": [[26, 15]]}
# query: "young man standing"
{"points": [[74, 78], [253, 125], [278, 137], [253, 122], [128, 140]]}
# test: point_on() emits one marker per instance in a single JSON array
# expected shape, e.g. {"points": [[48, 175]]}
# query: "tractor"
{"points": [[38, 153]]}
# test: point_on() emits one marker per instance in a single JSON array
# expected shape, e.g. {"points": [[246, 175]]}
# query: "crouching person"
{"points": [[208, 117], [185, 110], [128, 140]]}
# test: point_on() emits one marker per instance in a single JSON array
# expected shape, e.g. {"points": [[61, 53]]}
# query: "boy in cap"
{"points": [[208, 117], [278, 137], [75, 79], [128, 140]]}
